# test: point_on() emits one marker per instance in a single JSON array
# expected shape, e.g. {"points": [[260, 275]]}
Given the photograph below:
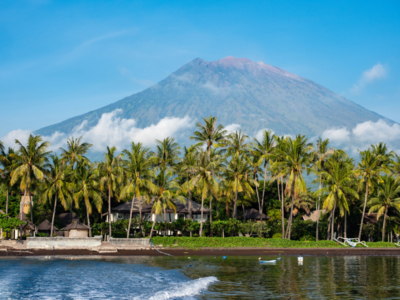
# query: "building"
{"points": [[45, 227], [76, 230], [121, 212], [254, 214], [24, 205]]}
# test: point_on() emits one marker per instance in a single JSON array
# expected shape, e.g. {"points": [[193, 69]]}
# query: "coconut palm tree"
{"points": [[110, 173], [167, 154], [166, 194], [88, 189], [209, 133], [255, 162], [57, 184], [235, 143], [368, 169], [336, 182], [322, 152], [297, 156], [6, 160], [238, 175], [30, 164], [139, 173], [204, 181], [388, 197], [265, 150]]}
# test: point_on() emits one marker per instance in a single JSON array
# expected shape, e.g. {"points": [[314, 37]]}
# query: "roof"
{"points": [[254, 214], [76, 226], [313, 216], [46, 226], [66, 218], [182, 208], [371, 218]]}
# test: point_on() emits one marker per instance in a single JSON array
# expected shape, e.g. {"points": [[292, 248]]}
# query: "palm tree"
{"points": [[369, 171], [88, 190], [336, 182], [166, 193], [187, 170], [255, 163], [139, 174], [204, 181], [209, 133], [321, 154], [110, 171], [6, 160], [297, 156], [167, 153], [237, 174], [265, 151], [388, 197], [30, 164], [236, 143], [57, 183], [74, 155]]}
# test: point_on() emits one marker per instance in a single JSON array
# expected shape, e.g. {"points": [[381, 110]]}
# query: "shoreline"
{"points": [[211, 252]]}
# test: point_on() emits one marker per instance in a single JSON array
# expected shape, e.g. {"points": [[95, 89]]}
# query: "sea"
{"points": [[196, 277]]}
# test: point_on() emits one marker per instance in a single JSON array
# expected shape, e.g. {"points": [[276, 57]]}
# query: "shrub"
{"points": [[277, 236]]}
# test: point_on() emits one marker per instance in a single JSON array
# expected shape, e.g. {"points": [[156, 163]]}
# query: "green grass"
{"points": [[232, 242]]}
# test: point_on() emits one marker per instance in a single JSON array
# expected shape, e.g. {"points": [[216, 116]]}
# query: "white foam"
{"points": [[184, 289]]}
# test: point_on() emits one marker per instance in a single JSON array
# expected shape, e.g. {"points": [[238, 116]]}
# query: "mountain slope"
{"points": [[237, 90]]}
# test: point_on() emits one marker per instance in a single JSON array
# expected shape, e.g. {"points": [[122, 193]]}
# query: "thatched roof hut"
{"points": [[45, 226], [76, 229], [254, 214]]}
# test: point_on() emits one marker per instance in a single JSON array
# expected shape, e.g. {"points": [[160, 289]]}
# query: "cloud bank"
{"points": [[377, 72], [110, 130]]}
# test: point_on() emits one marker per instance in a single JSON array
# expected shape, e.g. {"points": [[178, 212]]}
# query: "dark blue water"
{"points": [[200, 278]]}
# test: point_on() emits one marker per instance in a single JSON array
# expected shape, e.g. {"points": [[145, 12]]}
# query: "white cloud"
{"points": [[363, 135], [378, 71], [259, 135], [339, 135], [232, 128], [19, 134], [111, 131]]}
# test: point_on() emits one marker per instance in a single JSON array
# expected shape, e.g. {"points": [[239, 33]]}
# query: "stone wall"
{"points": [[78, 233], [129, 242], [62, 242]]}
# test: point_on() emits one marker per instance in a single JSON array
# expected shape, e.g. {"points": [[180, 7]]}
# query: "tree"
{"points": [[297, 156], [138, 174], [166, 193], [336, 181], [388, 197], [237, 174], [368, 169], [322, 152], [57, 183], [204, 181], [6, 160], [209, 133], [167, 153], [88, 189], [110, 171], [30, 164], [236, 143], [265, 150]]}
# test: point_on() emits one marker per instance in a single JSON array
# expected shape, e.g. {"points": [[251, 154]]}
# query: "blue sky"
{"points": [[59, 59]]}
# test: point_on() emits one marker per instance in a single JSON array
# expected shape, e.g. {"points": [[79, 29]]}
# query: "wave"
{"points": [[184, 289]]}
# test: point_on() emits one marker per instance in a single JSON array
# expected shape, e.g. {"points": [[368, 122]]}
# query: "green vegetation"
{"points": [[225, 172]]}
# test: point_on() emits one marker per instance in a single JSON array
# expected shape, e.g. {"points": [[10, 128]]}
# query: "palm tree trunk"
{"points": [[244, 215], [190, 205], [152, 228], [333, 221], [289, 229], [260, 209], [235, 206], [227, 208], [140, 217], [365, 204], [384, 226], [282, 209], [7, 201], [31, 205], [345, 224], [318, 206], [21, 209], [211, 215], [201, 218], [88, 221], [109, 213], [54, 214], [165, 215], [265, 179], [130, 218]]}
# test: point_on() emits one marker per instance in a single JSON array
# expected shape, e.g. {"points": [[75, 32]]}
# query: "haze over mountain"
{"points": [[239, 91]]}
